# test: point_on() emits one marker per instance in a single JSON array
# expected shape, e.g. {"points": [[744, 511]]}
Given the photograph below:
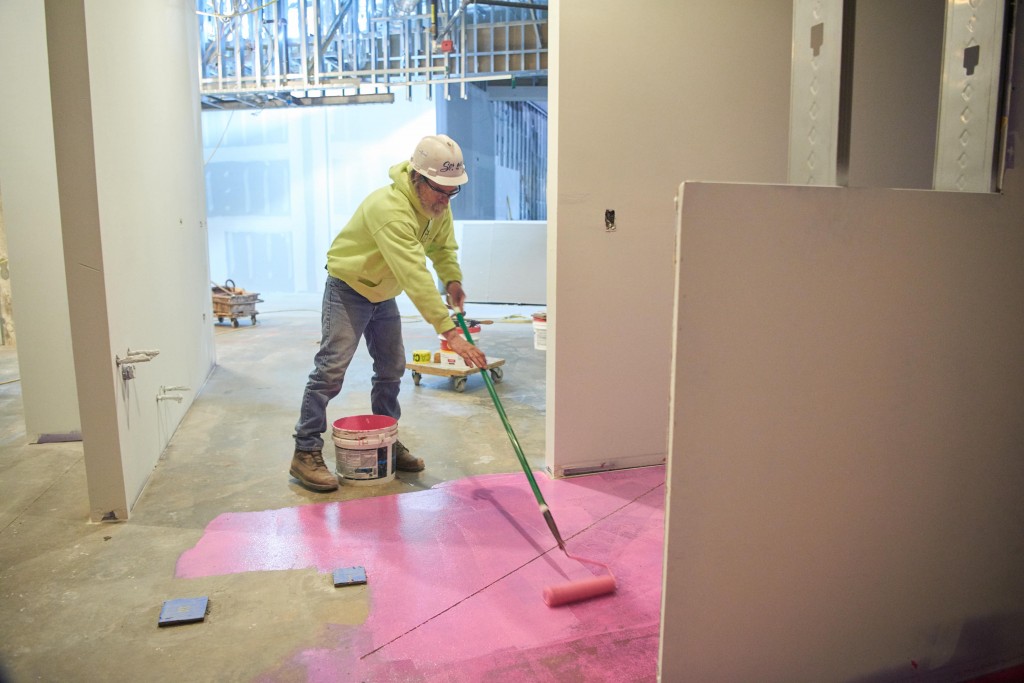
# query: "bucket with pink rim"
{"points": [[364, 449]]}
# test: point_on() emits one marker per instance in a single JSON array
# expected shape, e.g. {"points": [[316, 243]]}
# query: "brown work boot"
{"points": [[406, 461], [309, 468]]}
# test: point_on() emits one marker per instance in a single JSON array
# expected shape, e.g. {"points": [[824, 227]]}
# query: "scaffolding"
{"points": [[255, 53]]}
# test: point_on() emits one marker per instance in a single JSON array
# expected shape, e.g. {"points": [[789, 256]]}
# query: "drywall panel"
{"points": [[151, 200], [83, 257], [704, 96], [504, 262], [28, 181], [132, 210], [847, 425]]}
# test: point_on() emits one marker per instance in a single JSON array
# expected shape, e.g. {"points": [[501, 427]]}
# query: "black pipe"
{"points": [[509, 3]]}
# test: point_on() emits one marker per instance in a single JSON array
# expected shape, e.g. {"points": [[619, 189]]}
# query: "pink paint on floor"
{"points": [[456, 573]]}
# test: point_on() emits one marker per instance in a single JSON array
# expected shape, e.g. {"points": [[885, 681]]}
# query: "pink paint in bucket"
{"points": [[364, 449]]}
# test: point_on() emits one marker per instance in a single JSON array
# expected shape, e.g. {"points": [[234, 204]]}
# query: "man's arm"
{"points": [[458, 343]]}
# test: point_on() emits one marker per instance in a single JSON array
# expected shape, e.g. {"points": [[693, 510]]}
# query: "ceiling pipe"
{"points": [[509, 3]]}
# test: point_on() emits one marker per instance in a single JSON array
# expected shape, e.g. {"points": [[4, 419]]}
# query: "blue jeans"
{"points": [[347, 316]]}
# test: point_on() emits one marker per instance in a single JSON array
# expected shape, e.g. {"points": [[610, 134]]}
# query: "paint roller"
{"points": [[572, 591]]}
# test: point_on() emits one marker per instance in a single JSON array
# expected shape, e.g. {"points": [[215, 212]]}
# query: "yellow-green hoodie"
{"points": [[382, 250]]}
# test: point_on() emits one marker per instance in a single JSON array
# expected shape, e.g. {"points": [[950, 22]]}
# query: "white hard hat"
{"points": [[439, 158]]}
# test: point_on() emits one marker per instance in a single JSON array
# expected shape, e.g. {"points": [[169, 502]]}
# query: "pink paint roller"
{"points": [[574, 591], [571, 591]]}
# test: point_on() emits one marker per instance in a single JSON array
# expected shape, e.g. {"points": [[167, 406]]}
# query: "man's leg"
{"points": [[384, 342], [344, 317]]}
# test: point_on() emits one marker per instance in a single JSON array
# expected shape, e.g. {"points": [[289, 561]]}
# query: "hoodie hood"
{"points": [[399, 174]]}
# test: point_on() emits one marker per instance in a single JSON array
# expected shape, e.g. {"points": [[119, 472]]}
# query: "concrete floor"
{"points": [[455, 555]]}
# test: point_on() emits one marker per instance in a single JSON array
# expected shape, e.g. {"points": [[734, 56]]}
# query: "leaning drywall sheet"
{"points": [[845, 468]]}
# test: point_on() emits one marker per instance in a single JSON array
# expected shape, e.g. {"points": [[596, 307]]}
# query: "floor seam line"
{"points": [[509, 573], [459, 602], [609, 514]]}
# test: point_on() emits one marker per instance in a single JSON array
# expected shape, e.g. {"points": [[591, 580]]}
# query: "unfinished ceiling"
{"points": [[286, 53]]}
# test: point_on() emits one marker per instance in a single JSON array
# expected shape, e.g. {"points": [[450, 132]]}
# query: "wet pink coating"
{"points": [[364, 423], [456, 575]]}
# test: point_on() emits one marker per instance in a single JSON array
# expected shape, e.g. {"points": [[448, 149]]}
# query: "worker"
{"points": [[380, 253]]}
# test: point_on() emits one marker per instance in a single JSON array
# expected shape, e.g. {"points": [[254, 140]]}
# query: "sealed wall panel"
{"points": [[845, 452]]}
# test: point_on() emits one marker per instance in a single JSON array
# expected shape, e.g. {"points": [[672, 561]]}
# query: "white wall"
{"points": [[640, 96], [846, 471], [128, 156], [503, 262], [28, 181]]}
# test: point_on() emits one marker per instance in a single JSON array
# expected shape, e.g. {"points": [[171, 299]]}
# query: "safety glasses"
{"points": [[437, 188]]}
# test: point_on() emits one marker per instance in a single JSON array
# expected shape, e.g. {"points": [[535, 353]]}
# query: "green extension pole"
{"points": [[515, 442]]}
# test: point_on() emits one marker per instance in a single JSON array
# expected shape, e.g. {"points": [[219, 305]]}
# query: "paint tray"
{"points": [[349, 576], [183, 611]]}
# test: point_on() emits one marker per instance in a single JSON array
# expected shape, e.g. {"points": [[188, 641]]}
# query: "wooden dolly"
{"points": [[456, 375]]}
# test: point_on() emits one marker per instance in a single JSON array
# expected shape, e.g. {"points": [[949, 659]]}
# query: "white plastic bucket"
{"points": [[540, 332], [364, 449]]}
